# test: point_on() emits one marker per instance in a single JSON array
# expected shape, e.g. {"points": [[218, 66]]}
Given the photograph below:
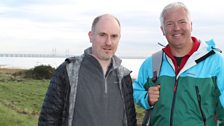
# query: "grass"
{"points": [[21, 100], [140, 113], [9, 117]]}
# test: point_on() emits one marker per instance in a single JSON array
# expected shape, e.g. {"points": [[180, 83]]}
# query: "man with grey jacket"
{"points": [[92, 89]]}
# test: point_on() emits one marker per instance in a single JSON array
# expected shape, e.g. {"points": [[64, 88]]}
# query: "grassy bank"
{"points": [[21, 100]]}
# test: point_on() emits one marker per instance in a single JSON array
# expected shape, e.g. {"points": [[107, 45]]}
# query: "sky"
{"points": [[61, 26]]}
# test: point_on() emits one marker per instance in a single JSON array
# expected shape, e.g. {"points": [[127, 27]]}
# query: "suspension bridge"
{"points": [[32, 55], [55, 55]]}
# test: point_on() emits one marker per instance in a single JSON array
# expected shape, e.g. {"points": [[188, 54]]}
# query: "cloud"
{"points": [[38, 26]]}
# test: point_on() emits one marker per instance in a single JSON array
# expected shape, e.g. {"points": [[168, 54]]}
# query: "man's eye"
{"points": [[169, 24], [102, 34], [114, 36], [183, 22]]}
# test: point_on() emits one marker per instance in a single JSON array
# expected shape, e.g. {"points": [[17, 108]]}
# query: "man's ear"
{"points": [[90, 36], [162, 29]]}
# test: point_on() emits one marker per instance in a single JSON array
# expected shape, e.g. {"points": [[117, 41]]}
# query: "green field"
{"points": [[21, 100]]}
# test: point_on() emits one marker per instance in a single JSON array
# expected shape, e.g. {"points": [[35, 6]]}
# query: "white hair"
{"points": [[172, 6]]}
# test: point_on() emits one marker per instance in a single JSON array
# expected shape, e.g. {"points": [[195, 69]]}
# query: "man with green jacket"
{"points": [[190, 90]]}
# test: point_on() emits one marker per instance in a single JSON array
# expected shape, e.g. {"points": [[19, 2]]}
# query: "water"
{"points": [[28, 62]]}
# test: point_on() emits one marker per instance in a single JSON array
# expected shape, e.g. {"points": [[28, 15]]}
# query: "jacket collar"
{"points": [[185, 58], [203, 49], [115, 61]]}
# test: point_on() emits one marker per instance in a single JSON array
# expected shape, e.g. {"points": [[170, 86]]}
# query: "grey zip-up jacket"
{"points": [[59, 103]]}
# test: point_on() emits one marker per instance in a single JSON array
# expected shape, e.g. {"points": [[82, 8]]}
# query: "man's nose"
{"points": [[108, 40], [176, 26]]}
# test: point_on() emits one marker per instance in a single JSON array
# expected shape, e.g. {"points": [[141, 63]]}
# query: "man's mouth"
{"points": [[177, 35]]}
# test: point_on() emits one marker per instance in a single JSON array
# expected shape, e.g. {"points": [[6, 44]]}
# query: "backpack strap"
{"points": [[157, 59]]}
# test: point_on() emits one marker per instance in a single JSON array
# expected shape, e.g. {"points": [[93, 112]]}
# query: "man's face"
{"points": [[177, 27], [105, 38]]}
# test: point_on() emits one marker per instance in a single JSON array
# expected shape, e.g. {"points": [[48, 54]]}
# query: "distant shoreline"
{"points": [[10, 70]]}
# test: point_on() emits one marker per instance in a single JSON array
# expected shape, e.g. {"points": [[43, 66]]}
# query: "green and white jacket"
{"points": [[199, 96]]}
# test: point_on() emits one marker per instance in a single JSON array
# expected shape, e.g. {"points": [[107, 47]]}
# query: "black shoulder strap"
{"points": [[157, 59], [205, 56]]}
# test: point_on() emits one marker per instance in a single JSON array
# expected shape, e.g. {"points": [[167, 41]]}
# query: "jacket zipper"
{"points": [[105, 81], [106, 90], [105, 84], [173, 102], [199, 103]]}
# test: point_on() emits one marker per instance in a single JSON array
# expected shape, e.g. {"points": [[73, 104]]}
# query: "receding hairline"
{"points": [[98, 18]]}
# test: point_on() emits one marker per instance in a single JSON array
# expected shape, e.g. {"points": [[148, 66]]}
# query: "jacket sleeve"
{"points": [[139, 85], [52, 109], [220, 114], [220, 79], [129, 101], [220, 83]]}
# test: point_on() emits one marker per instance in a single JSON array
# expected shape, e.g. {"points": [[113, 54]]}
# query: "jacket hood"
{"points": [[212, 46]]}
